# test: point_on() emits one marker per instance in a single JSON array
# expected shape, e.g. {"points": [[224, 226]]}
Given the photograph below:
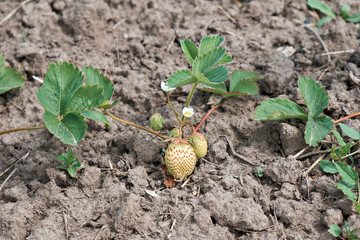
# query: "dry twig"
{"points": [[315, 163], [7, 179], [320, 40], [226, 13], [13, 164], [14, 11]]}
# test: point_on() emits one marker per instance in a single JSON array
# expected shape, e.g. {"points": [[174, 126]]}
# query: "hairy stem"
{"points": [[347, 117], [21, 129], [203, 120], [192, 91], [135, 125], [172, 108]]}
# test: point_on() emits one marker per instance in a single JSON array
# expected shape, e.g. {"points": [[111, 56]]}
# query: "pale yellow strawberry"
{"points": [[199, 143], [180, 160]]}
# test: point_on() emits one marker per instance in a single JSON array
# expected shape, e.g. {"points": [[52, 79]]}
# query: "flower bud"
{"points": [[175, 133]]}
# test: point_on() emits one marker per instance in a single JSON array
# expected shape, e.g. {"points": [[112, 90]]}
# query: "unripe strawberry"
{"points": [[180, 160], [199, 143], [156, 121], [175, 133]]}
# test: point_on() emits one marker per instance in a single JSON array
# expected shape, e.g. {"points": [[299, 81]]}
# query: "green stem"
{"points": [[351, 154], [189, 98], [135, 125], [172, 108], [21, 129]]}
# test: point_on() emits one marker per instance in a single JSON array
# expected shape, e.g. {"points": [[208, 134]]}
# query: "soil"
{"points": [[137, 45]]}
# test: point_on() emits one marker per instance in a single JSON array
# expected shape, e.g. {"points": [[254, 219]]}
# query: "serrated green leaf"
{"points": [[348, 174], [334, 230], [201, 78], [217, 74], [350, 132], [225, 59], [115, 102], [61, 82], [70, 130], [209, 43], [244, 87], [323, 20], [315, 97], [214, 88], [72, 171], [317, 129], [86, 97], [277, 109], [328, 166], [10, 78], [355, 18], [190, 50], [2, 60], [345, 9], [95, 115], [180, 78], [237, 76], [70, 156], [62, 158], [338, 137], [206, 61], [322, 7], [346, 191], [93, 76]]}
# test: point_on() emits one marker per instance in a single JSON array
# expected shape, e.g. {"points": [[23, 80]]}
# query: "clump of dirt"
{"points": [[137, 45]]}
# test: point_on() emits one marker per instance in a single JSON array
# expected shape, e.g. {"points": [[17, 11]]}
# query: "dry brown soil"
{"points": [[131, 42]]}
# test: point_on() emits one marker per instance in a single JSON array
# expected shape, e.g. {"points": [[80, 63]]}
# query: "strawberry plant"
{"points": [[350, 234], [69, 95], [70, 163], [9, 77], [330, 14], [318, 126]]}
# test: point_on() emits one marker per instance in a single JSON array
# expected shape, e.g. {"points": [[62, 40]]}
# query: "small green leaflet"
{"points": [[349, 176], [347, 191], [355, 18], [180, 78], [277, 109], [338, 137], [328, 166], [322, 7], [335, 230], [190, 50], [214, 88], [323, 20], [217, 74], [70, 130], [9, 77], [209, 43], [350, 132], [345, 9], [237, 76], [317, 129], [71, 163], [315, 97], [205, 62], [93, 76], [95, 115]]}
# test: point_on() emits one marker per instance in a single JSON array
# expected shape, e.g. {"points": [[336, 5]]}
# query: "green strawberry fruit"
{"points": [[199, 143], [175, 133], [156, 122]]}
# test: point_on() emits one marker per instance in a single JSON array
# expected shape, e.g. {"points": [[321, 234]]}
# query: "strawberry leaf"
{"points": [[323, 20], [345, 9], [219, 88], [328, 166], [204, 62], [338, 138], [95, 115], [93, 76], [237, 76], [190, 50], [350, 132], [9, 77], [209, 43], [201, 78], [315, 97], [355, 18], [217, 74], [180, 78], [244, 87], [348, 174], [225, 59], [86, 97], [335, 230], [317, 129], [277, 109], [61, 82], [70, 129], [322, 7]]}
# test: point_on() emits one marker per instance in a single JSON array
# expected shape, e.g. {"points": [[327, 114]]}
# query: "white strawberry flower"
{"points": [[165, 88], [188, 112]]}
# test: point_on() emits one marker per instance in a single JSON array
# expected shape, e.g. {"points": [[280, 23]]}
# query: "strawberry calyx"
{"points": [[177, 140]]}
